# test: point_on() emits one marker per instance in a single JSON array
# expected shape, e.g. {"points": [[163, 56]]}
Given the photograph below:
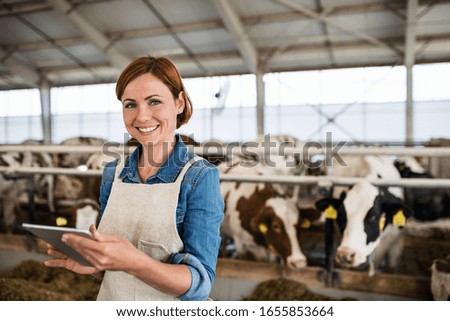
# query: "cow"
{"points": [[49, 197], [78, 196], [364, 214], [260, 220], [368, 216], [14, 188], [73, 160], [428, 204], [280, 161], [78, 187]]}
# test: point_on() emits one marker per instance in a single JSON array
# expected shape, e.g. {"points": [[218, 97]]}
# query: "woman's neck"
{"points": [[154, 155]]}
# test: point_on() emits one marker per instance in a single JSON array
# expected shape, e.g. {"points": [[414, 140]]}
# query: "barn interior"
{"points": [[327, 78]]}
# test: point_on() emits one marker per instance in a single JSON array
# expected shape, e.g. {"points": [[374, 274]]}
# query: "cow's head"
{"points": [[275, 226], [362, 214]]}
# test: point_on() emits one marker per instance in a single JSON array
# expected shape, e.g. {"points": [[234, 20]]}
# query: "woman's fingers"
{"points": [[52, 251], [102, 237], [56, 263]]}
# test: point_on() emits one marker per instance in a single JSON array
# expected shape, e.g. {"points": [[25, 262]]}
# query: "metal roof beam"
{"points": [[325, 32], [289, 42], [299, 7], [117, 58], [233, 24], [29, 76], [301, 48]]}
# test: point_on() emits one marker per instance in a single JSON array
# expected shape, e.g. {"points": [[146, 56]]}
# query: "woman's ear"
{"points": [[180, 102]]}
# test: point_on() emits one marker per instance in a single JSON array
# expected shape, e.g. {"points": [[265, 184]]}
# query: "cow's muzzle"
{"points": [[345, 257], [296, 263]]}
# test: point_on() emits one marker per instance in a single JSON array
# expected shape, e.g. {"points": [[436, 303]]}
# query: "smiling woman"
{"points": [[150, 116], [158, 238]]}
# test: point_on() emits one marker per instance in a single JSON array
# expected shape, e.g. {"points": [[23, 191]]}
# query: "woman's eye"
{"points": [[154, 102], [130, 105]]}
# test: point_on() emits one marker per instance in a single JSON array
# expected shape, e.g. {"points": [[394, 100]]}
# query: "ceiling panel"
{"points": [[286, 35]]}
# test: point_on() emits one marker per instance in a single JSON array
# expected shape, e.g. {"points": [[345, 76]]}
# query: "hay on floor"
{"points": [[34, 281]]}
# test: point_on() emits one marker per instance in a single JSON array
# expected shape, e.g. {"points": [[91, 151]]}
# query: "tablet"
{"points": [[53, 234]]}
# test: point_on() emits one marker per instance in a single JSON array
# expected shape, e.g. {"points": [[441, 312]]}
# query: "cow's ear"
{"points": [[324, 203], [307, 216], [259, 224], [330, 207], [397, 212]]}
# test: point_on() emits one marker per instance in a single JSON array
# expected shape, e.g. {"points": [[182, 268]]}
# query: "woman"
{"points": [[158, 237]]}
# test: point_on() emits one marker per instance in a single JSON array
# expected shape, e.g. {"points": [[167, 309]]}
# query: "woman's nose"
{"points": [[143, 114]]}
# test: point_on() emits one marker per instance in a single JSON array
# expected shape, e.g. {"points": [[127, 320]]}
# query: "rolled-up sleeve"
{"points": [[201, 231]]}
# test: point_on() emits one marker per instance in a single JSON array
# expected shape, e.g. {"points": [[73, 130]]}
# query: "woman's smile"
{"points": [[146, 130]]}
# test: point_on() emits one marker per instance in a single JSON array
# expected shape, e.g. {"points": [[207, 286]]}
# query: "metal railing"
{"points": [[219, 151]]}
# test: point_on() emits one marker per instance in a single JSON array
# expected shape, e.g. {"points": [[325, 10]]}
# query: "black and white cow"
{"points": [[363, 213], [368, 216], [428, 204]]}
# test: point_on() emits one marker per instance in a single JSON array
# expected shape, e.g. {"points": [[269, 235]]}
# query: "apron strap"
{"points": [[123, 158], [186, 167]]}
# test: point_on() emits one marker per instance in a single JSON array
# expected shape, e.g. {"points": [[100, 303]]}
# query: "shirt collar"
{"points": [[167, 173]]}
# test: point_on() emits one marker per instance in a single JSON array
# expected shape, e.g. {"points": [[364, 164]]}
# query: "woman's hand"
{"points": [[103, 251], [62, 260]]}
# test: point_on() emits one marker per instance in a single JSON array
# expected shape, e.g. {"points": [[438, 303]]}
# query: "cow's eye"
{"points": [[276, 227]]}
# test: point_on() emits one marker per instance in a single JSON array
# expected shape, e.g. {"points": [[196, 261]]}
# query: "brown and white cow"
{"points": [[279, 159], [368, 217], [260, 220]]}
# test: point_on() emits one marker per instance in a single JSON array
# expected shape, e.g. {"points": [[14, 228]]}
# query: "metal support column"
{"points": [[260, 102], [44, 90], [409, 116], [410, 44]]}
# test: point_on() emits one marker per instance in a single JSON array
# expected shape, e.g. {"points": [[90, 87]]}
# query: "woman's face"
{"points": [[150, 111]]}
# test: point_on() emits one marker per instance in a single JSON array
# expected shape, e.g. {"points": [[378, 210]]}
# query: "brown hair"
{"points": [[164, 70]]}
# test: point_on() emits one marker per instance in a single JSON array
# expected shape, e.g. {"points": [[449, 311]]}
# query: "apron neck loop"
{"points": [[185, 168]]}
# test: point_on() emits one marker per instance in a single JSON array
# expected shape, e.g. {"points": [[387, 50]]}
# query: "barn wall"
{"points": [[360, 121]]}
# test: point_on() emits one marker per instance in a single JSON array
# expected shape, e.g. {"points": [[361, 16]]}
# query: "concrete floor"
{"points": [[10, 259]]}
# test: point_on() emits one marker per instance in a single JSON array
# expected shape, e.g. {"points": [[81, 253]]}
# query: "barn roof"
{"points": [[72, 42]]}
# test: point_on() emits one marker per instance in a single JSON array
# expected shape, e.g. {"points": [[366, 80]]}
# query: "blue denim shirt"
{"points": [[200, 211]]}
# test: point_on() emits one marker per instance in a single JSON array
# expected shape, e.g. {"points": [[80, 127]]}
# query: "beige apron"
{"points": [[146, 216]]}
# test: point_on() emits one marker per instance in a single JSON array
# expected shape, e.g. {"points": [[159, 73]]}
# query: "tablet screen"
{"points": [[53, 234]]}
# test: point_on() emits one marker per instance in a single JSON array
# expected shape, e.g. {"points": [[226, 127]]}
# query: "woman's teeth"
{"points": [[147, 129]]}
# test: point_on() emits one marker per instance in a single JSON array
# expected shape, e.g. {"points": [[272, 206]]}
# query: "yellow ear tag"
{"points": [[330, 212], [263, 228], [61, 221], [306, 224], [382, 222], [399, 219]]}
